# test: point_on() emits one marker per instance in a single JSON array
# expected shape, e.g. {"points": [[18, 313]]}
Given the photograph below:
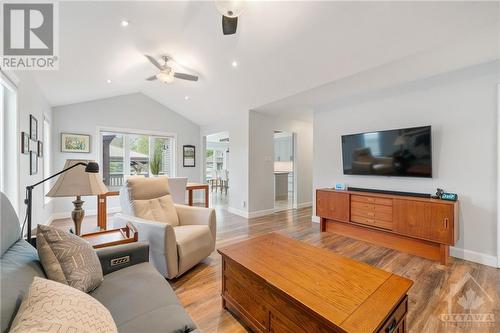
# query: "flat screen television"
{"points": [[405, 152]]}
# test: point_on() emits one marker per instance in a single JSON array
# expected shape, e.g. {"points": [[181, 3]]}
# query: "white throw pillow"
{"points": [[52, 307]]}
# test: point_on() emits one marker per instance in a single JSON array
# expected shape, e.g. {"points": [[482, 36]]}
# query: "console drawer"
{"points": [[362, 219], [373, 200]]}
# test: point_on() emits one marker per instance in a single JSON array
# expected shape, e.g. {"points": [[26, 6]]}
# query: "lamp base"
{"points": [[78, 214]]}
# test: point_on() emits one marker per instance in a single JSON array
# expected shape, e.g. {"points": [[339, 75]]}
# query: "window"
{"points": [[125, 154], [47, 152], [9, 141], [372, 141]]}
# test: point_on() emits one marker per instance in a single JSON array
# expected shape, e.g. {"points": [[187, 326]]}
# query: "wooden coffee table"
{"points": [[277, 284]]}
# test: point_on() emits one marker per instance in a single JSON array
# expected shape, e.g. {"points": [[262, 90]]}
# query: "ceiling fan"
{"points": [[230, 10], [167, 74]]}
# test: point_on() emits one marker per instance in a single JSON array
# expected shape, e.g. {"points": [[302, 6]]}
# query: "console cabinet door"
{"points": [[442, 223], [332, 205], [412, 218], [432, 221]]}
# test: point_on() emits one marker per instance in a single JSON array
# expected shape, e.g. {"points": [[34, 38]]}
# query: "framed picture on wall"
{"points": [[188, 156], [33, 163], [33, 128], [75, 143], [25, 143]]}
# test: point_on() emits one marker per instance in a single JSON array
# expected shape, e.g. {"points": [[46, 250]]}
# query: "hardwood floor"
{"points": [[199, 289]]}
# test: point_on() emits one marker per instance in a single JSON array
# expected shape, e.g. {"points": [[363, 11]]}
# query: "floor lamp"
{"points": [[82, 181]]}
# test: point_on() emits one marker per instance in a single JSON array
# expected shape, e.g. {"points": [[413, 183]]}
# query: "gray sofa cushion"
{"points": [[141, 300], [19, 265], [10, 230]]}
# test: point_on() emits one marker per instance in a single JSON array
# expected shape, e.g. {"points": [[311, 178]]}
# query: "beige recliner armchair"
{"points": [[179, 236]]}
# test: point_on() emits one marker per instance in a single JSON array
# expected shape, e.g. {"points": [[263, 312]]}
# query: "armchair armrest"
{"points": [[189, 215], [117, 257], [161, 239]]}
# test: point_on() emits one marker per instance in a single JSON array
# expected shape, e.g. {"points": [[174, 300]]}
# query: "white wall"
{"points": [[462, 108], [261, 160], [31, 101], [134, 111]]}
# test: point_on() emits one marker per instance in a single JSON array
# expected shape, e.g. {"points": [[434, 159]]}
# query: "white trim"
{"points": [[260, 213], [480, 258], [89, 212], [238, 212], [304, 204], [315, 219], [498, 176]]}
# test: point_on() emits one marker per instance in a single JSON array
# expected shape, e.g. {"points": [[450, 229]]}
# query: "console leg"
{"points": [[322, 224], [444, 254]]}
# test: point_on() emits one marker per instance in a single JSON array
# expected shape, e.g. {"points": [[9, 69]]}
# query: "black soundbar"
{"points": [[407, 194]]}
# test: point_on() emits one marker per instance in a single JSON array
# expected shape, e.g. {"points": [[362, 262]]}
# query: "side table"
{"points": [[105, 238]]}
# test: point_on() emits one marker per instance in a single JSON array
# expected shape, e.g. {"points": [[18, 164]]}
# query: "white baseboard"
{"points": [[89, 212], [260, 213], [304, 204], [315, 219], [238, 212], [480, 258]]}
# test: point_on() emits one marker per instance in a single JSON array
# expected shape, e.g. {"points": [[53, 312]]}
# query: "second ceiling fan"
{"points": [[167, 74]]}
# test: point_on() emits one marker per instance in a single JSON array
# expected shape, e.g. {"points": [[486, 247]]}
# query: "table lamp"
{"points": [[79, 178]]}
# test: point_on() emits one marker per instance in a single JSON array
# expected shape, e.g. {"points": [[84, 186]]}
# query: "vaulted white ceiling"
{"points": [[282, 48]]}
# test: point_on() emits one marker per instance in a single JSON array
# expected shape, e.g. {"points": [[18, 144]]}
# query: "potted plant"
{"points": [[155, 163]]}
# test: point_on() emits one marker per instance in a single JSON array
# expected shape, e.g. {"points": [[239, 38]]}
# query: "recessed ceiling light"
{"points": [[186, 97], [124, 23], [108, 81], [234, 63]]}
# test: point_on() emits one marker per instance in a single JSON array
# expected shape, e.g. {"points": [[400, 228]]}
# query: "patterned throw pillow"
{"points": [[52, 307], [68, 259]]}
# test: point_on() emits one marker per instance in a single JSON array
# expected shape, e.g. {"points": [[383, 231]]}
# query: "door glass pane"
{"points": [[139, 154], [112, 159]]}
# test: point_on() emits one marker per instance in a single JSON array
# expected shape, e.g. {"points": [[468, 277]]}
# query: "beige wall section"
{"points": [[461, 108], [261, 161]]}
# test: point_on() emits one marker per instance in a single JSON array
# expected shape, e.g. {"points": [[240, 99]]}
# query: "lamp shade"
{"points": [[77, 181]]}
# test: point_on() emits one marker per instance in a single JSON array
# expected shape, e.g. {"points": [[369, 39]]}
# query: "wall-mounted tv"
{"points": [[405, 152]]}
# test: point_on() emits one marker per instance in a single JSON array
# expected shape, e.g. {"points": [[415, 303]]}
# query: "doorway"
{"points": [[217, 169], [284, 170]]}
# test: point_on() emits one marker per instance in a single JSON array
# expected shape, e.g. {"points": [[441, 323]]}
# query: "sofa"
{"points": [[136, 295]]}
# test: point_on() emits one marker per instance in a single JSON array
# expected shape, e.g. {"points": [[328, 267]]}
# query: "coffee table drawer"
{"points": [[394, 322]]}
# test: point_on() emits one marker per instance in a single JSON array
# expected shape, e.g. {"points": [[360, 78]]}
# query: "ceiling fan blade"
{"points": [[151, 78], [229, 25], [154, 62], [188, 77]]}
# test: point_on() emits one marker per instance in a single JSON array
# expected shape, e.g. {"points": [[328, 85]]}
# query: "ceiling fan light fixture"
{"points": [[165, 77]]}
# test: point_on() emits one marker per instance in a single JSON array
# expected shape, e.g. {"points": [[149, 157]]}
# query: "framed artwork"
{"points": [[75, 143], [33, 128], [33, 163], [188, 156], [25, 143], [40, 149]]}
